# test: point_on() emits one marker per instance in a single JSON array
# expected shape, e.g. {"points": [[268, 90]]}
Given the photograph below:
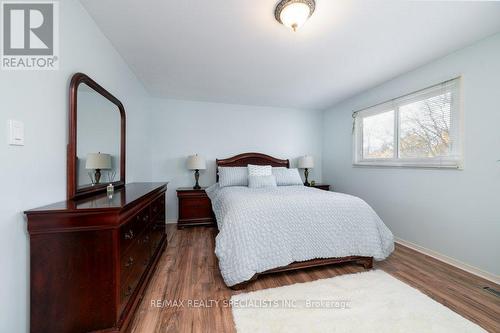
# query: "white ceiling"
{"points": [[233, 51]]}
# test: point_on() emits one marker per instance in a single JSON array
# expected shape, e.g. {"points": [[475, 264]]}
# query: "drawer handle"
{"points": [[129, 262], [155, 209], [129, 291], [145, 218], [146, 239], [129, 234]]}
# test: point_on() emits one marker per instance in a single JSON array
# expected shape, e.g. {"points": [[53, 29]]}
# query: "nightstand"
{"points": [[195, 208], [322, 186]]}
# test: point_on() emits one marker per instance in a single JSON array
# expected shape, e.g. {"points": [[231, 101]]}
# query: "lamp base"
{"points": [[306, 174], [197, 178], [97, 176]]}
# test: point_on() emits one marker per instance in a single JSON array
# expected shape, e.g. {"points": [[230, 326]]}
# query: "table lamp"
{"points": [[306, 163], [196, 163], [98, 162]]}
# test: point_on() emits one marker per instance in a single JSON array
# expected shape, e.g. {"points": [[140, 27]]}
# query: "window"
{"points": [[421, 129]]}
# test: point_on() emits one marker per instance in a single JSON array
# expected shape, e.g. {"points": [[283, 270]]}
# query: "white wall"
{"points": [[35, 174], [182, 128], [456, 213]]}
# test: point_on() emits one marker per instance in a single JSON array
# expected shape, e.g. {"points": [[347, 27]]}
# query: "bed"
{"points": [[270, 230]]}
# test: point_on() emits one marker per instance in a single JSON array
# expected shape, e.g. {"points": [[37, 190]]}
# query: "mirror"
{"points": [[97, 139], [96, 149]]}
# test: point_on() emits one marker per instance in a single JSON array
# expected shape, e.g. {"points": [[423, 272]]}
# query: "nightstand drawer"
{"points": [[194, 208]]}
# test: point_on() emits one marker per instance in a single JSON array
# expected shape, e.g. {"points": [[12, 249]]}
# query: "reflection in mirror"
{"points": [[98, 139]]}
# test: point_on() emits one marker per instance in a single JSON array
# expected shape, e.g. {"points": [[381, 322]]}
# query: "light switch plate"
{"points": [[16, 133]]}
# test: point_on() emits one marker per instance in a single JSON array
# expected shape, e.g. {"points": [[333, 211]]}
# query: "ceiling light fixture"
{"points": [[294, 13]]}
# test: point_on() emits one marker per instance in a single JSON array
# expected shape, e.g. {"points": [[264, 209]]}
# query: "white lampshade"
{"points": [[295, 15], [306, 162], [195, 162], [98, 161]]}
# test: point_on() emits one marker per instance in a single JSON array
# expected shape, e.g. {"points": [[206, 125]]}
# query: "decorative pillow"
{"points": [[260, 170], [261, 181], [287, 177], [233, 176]]}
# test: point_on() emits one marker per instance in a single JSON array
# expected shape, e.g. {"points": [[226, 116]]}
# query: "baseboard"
{"points": [[450, 261], [171, 222]]}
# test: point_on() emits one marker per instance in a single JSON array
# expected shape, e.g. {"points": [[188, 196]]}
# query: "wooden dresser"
{"points": [[92, 258]]}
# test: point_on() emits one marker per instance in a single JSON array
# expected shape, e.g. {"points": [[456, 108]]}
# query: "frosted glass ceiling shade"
{"points": [[294, 13], [98, 161], [195, 162], [306, 162]]}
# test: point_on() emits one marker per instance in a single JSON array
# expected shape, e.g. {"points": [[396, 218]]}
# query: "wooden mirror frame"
{"points": [[73, 192]]}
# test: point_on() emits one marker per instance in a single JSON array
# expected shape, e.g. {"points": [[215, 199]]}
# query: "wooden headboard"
{"points": [[245, 159]]}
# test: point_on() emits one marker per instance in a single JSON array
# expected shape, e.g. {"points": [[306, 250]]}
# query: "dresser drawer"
{"points": [[131, 261], [133, 265], [158, 207], [157, 232], [130, 231], [128, 287]]}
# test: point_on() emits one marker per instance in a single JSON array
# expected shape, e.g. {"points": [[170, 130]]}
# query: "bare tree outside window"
{"points": [[425, 128]]}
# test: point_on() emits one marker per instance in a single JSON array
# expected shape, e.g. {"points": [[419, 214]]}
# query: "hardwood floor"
{"points": [[188, 270]]}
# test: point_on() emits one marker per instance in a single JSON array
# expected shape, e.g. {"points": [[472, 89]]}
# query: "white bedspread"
{"points": [[261, 229]]}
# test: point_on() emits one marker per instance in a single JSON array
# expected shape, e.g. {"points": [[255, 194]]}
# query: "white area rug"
{"points": [[370, 301]]}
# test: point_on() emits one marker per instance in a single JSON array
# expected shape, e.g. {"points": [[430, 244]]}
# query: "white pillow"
{"points": [[287, 177], [261, 181], [233, 176], [260, 170]]}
